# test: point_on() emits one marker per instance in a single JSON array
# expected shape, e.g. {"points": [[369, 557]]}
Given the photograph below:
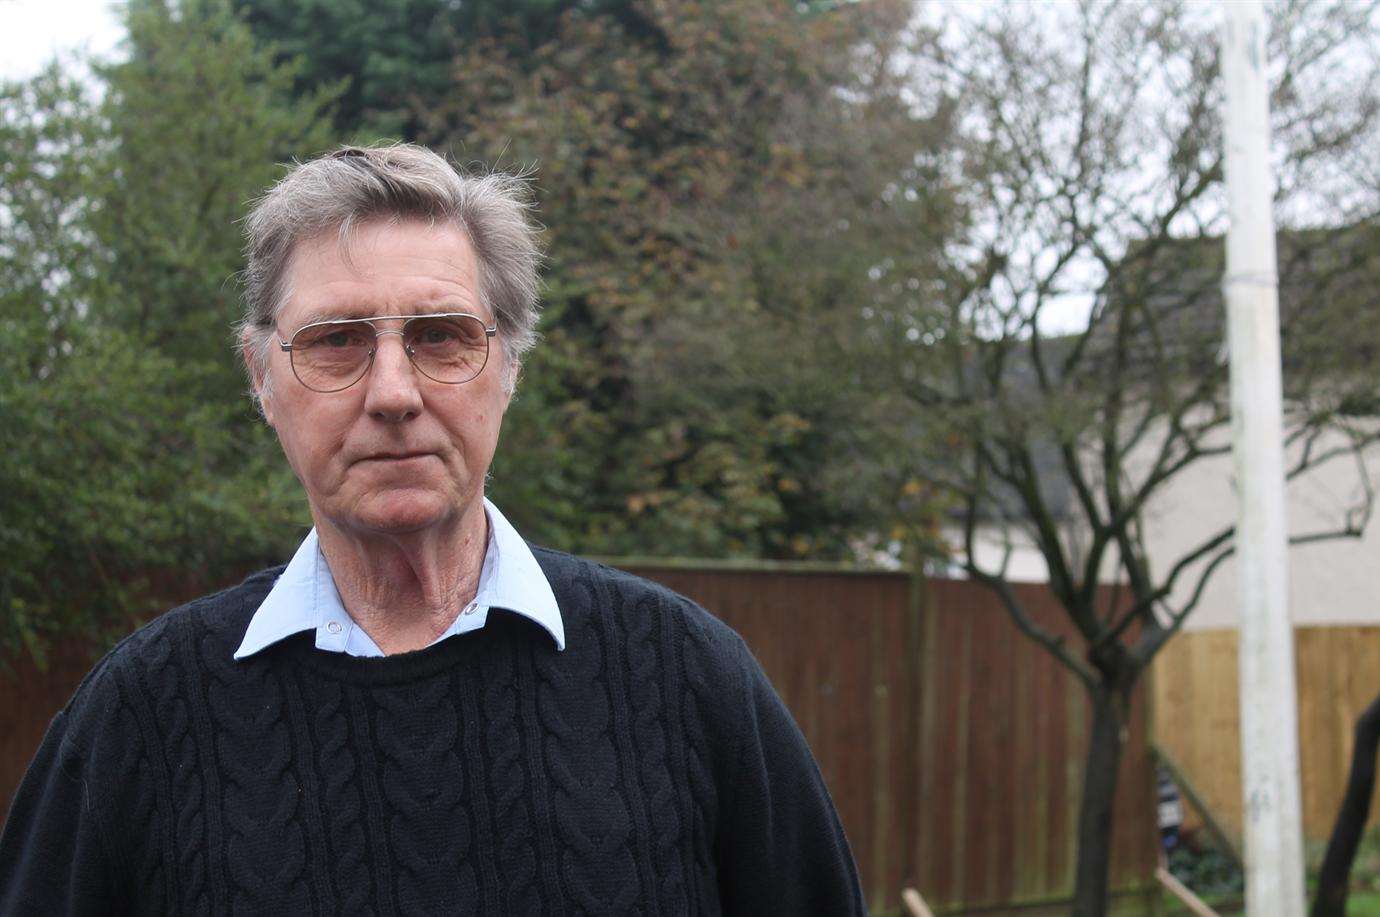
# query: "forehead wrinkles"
{"points": [[348, 242], [463, 261]]}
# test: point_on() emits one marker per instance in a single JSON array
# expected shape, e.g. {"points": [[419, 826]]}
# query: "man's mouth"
{"points": [[395, 456]]}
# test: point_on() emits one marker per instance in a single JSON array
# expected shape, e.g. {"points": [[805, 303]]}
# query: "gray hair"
{"points": [[355, 185]]}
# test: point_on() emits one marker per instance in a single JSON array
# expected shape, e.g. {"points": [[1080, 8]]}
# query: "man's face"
{"points": [[396, 452]]}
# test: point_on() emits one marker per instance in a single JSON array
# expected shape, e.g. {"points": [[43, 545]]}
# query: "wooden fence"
{"points": [[1196, 717], [952, 745]]}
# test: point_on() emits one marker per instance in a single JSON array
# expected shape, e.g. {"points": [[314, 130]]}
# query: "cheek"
{"points": [[473, 435], [311, 441], [296, 451]]}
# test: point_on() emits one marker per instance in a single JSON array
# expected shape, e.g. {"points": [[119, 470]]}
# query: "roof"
{"points": [[1170, 297]]}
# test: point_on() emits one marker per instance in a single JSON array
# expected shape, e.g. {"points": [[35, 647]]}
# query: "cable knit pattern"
{"points": [[510, 804], [341, 798], [145, 863], [647, 679], [647, 769], [261, 790], [700, 786], [591, 815], [418, 739], [172, 714]]}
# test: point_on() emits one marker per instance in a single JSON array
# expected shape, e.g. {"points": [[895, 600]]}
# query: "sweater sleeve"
{"points": [[782, 849], [53, 858]]}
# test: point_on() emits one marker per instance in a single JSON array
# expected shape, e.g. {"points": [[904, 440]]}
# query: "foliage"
{"points": [[801, 298], [396, 56], [713, 186], [684, 155], [133, 466], [111, 497], [199, 120], [1206, 870]]}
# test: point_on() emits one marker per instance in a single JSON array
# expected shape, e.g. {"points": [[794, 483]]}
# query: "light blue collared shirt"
{"points": [[305, 597]]}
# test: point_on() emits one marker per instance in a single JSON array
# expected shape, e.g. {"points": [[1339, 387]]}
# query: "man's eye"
{"points": [[339, 339], [435, 335]]}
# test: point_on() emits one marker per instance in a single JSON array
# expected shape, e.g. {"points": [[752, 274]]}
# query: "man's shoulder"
{"points": [[226, 612], [626, 600], [134, 667], [217, 618]]}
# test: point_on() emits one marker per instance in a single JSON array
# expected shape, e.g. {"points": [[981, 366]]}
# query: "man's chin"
{"points": [[405, 513]]}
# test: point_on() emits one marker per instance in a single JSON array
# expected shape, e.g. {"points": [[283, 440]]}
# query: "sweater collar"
{"points": [[305, 598]]}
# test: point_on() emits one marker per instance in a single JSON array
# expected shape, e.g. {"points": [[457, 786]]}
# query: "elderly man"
{"points": [[420, 713]]}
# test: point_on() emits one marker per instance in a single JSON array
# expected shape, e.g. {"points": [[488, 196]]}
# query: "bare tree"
{"points": [[1069, 365]]}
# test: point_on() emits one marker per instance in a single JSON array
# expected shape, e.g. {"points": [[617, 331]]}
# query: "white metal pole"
{"points": [[1269, 712]]}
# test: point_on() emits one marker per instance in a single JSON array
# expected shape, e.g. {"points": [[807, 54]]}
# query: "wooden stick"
{"points": [[915, 904], [1182, 892]]}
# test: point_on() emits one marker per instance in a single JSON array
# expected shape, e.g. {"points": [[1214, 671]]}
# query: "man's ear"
{"points": [[258, 374], [509, 385]]}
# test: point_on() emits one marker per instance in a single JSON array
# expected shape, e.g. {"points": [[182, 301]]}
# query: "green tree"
{"points": [[395, 56], [199, 120], [134, 467], [100, 465], [715, 187]]}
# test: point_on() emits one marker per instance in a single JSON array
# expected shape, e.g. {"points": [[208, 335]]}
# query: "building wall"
{"points": [[1024, 563], [1330, 582]]}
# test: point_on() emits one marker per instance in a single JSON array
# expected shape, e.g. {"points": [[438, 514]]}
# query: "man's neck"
{"points": [[404, 590]]}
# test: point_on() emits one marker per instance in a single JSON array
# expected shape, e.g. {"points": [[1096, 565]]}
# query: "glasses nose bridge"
{"points": [[402, 339]]}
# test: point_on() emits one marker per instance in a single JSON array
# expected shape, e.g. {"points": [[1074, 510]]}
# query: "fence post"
{"points": [[917, 617]]}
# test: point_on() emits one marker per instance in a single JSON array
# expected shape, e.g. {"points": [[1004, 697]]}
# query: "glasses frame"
{"points": [[287, 346]]}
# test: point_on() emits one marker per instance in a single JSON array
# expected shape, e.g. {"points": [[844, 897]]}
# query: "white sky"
{"points": [[32, 32]]}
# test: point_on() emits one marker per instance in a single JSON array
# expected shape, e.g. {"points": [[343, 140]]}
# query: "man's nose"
{"points": [[393, 394]]}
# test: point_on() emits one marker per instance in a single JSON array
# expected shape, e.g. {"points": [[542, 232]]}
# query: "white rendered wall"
{"points": [[1024, 562], [1330, 582]]}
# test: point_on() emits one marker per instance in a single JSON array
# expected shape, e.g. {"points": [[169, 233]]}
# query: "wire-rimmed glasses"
{"points": [[448, 347]]}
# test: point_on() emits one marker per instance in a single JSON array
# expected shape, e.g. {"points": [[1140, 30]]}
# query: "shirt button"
{"points": [[333, 627], [471, 608]]}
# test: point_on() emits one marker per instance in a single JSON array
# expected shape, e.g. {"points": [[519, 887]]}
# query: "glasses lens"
{"points": [[448, 348], [332, 356]]}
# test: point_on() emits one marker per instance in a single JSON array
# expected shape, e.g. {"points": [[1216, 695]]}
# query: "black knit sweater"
{"points": [[648, 769]]}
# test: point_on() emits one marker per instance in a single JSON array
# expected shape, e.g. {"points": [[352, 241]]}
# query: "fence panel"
{"points": [[960, 775], [1197, 718], [29, 699]]}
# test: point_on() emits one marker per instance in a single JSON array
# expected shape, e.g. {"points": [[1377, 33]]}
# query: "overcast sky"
{"points": [[33, 31]]}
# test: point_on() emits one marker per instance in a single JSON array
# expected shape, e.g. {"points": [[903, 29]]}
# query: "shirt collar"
{"points": [[516, 581], [305, 598]]}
